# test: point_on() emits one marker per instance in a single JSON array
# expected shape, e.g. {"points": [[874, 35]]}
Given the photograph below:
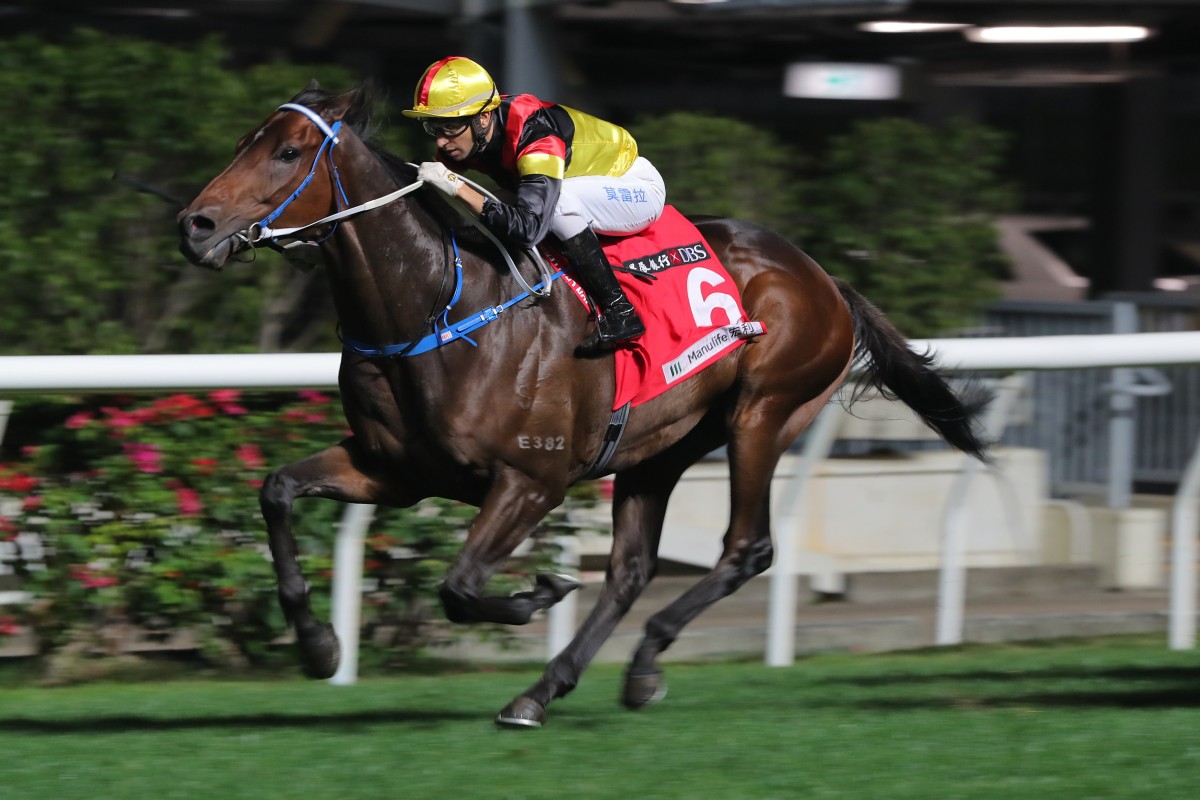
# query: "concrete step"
{"points": [[889, 587], [879, 612], [984, 582], [737, 625]]}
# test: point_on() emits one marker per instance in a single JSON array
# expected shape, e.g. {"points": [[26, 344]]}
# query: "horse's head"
{"points": [[290, 149]]}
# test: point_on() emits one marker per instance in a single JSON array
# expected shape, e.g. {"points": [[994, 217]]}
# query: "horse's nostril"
{"points": [[198, 226]]}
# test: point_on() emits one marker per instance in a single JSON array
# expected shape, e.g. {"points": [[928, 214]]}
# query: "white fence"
{"points": [[66, 374]]}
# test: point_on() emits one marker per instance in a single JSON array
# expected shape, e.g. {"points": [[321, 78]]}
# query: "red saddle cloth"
{"points": [[691, 306]]}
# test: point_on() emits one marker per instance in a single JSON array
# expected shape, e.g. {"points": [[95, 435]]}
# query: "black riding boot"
{"points": [[616, 318]]}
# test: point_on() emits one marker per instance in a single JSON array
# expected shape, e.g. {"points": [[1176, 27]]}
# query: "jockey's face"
{"points": [[458, 145]]}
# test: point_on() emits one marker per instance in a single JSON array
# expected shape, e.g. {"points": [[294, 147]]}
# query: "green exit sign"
{"points": [[838, 81]]}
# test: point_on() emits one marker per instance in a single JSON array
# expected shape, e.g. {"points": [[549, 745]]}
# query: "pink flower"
{"points": [[18, 482], [227, 401], [181, 406], [313, 396], [145, 457], [119, 420], [32, 502], [89, 579], [77, 421], [205, 466], [306, 413], [9, 626], [251, 456], [189, 502]]}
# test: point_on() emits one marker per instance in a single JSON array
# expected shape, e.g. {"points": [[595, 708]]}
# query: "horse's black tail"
{"points": [[901, 374]]}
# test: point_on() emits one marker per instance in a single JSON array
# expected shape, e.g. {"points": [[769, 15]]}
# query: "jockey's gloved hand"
{"points": [[437, 174]]}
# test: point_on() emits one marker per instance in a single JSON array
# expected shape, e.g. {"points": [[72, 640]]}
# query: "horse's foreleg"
{"points": [[335, 473], [508, 516]]}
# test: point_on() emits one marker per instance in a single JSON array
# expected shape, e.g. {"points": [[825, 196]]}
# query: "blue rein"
{"points": [[441, 335]]}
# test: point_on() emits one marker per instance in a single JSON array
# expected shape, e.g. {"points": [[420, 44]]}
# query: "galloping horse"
{"points": [[458, 421]]}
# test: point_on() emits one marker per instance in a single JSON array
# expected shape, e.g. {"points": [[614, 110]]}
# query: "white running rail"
{"points": [[66, 374]]}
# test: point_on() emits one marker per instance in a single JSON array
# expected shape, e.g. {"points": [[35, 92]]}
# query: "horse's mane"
{"points": [[359, 118]]}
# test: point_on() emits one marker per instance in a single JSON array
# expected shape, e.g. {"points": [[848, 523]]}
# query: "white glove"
{"points": [[435, 173]]}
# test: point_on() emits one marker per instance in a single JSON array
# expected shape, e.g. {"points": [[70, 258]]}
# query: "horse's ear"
{"points": [[313, 86], [354, 107], [341, 105]]}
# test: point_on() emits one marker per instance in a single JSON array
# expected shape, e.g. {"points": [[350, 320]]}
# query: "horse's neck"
{"points": [[390, 268]]}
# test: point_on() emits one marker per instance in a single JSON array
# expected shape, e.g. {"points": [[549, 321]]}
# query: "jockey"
{"points": [[574, 175]]}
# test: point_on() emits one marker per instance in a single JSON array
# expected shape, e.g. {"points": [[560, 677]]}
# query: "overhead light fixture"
{"points": [[896, 26], [1057, 34]]}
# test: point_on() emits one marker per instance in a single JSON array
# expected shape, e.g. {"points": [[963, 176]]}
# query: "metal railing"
{"points": [[1104, 429]]}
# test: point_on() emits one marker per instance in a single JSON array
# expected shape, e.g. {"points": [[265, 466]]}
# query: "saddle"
{"points": [[690, 304]]}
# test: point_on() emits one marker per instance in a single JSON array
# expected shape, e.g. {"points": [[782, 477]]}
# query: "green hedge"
{"points": [[91, 265]]}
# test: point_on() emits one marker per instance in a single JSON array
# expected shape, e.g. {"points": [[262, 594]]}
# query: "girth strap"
{"points": [[608, 447]]}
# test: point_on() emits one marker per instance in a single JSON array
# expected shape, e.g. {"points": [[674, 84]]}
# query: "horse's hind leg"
{"points": [[639, 506], [762, 431], [336, 473]]}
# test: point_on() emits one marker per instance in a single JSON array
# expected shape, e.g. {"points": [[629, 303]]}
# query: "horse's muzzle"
{"points": [[199, 245]]}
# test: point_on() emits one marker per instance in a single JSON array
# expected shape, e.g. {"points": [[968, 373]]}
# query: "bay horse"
{"points": [[459, 421]]}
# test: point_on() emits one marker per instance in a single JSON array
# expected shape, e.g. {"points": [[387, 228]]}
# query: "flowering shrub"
{"points": [[143, 516]]}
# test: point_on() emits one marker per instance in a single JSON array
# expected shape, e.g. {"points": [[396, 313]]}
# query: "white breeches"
{"points": [[614, 206]]}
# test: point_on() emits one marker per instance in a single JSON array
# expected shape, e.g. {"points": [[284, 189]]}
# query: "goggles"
{"points": [[448, 128]]}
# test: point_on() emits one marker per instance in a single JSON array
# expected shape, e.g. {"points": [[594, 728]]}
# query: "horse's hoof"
{"points": [[644, 689], [320, 653], [522, 712], [559, 585]]}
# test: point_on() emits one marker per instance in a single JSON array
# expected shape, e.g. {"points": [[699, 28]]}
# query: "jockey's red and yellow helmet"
{"points": [[453, 87]]}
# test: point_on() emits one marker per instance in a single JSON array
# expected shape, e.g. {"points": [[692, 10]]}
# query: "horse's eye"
{"points": [[288, 154]]}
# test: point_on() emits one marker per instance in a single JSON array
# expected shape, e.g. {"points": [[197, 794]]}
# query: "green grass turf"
{"points": [[1104, 718]]}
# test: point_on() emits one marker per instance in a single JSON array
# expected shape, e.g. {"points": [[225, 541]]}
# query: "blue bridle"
{"points": [[443, 333], [331, 139]]}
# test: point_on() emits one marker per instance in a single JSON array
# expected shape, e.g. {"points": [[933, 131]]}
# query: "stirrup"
{"points": [[609, 335]]}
